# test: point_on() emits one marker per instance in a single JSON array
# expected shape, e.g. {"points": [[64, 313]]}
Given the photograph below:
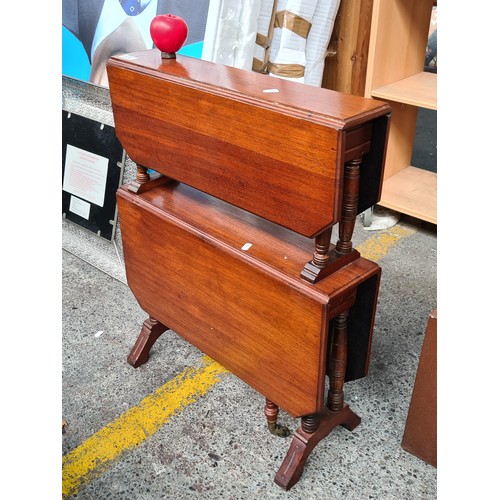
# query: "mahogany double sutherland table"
{"points": [[227, 242]]}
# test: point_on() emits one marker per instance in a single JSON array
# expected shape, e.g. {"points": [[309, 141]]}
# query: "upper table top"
{"points": [[273, 147]]}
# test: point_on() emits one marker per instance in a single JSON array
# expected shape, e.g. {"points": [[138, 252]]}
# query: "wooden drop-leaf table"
{"points": [[227, 243]]}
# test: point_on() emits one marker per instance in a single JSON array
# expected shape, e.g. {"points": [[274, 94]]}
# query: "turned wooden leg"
{"points": [[349, 205], [326, 261], [310, 423], [151, 330], [322, 246], [316, 427], [271, 411], [338, 362], [144, 182], [142, 175]]}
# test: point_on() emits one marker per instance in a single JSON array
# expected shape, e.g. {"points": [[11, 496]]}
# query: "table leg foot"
{"points": [[151, 330], [303, 444], [271, 411]]}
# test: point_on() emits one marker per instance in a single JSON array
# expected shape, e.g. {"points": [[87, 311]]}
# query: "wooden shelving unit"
{"points": [[398, 39]]}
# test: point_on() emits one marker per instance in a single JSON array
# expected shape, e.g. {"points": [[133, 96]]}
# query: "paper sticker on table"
{"points": [[246, 246], [79, 207], [85, 175], [128, 57]]}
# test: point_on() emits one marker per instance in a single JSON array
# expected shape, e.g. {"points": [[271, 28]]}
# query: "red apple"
{"points": [[168, 32]]}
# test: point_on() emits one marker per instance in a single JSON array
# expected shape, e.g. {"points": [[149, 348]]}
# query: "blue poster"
{"points": [[95, 30]]}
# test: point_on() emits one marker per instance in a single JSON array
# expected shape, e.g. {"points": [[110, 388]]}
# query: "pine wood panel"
{"points": [[412, 191], [347, 53], [417, 90], [400, 141]]}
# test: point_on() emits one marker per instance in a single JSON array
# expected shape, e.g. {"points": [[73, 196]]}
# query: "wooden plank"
{"points": [[400, 142], [412, 191], [417, 90], [347, 53]]}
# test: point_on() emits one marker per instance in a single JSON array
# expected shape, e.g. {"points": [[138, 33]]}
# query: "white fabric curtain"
{"points": [[231, 31], [284, 38]]}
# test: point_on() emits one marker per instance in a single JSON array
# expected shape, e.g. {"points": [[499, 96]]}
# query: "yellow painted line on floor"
{"points": [[94, 456], [89, 460], [378, 245]]}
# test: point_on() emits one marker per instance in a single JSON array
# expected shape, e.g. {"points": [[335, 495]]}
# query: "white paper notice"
{"points": [[79, 207], [85, 175]]}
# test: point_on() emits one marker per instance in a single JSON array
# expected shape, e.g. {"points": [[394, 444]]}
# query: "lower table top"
{"points": [[229, 283]]}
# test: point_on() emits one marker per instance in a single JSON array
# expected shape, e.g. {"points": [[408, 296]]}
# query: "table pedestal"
{"points": [[303, 443]]}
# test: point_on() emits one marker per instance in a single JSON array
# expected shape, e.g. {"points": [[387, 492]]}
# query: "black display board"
{"points": [[92, 170]]}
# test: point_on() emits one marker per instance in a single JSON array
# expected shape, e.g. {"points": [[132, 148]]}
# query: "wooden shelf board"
{"points": [[417, 90], [412, 191]]}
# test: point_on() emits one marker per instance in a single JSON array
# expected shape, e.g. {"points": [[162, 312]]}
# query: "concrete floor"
{"points": [[218, 446]]}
